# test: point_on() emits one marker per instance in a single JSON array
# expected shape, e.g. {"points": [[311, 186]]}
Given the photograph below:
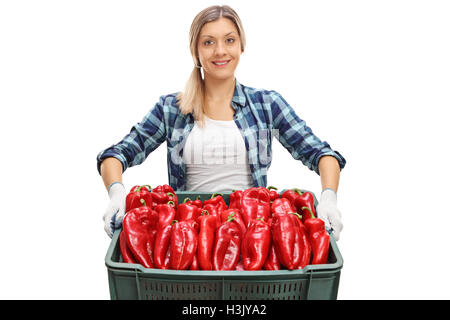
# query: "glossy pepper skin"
{"points": [[163, 194], [187, 211], [161, 252], [227, 246], [300, 199], [166, 213], [282, 205], [236, 214], [214, 211], [318, 237], [217, 201], [136, 194], [127, 255], [290, 241], [255, 245], [206, 237], [305, 199], [236, 199], [305, 247], [272, 262], [140, 228], [273, 194], [197, 202], [183, 245], [255, 205]]}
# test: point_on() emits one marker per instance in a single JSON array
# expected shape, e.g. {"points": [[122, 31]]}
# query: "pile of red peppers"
{"points": [[260, 229]]}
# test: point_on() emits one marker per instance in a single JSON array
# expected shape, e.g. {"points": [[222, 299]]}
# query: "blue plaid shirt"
{"points": [[259, 114]]}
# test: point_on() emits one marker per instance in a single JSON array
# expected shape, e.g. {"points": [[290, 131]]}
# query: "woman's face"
{"points": [[219, 49]]}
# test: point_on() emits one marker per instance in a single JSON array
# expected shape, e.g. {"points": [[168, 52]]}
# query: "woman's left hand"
{"points": [[327, 211]]}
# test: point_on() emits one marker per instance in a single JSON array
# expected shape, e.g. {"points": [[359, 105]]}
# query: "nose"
{"points": [[219, 49]]}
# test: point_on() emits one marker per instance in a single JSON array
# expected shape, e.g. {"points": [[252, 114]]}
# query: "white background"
{"points": [[372, 78]]}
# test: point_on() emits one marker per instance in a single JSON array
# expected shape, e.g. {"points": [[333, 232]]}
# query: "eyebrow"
{"points": [[209, 36]]}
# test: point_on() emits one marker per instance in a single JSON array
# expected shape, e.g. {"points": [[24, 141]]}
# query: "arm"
{"points": [[111, 171], [329, 171]]}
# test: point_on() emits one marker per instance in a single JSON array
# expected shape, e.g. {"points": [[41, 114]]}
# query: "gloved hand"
{"points": [[327, 211], [115, 211]]}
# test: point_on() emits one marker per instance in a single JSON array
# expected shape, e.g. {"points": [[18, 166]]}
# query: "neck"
{"points": [[219, 89]]}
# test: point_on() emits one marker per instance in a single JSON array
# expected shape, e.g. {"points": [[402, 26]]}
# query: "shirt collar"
{"points": [[239, 96]]}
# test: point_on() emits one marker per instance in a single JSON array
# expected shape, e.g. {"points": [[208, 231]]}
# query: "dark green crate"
{"points": [[133, 281]]}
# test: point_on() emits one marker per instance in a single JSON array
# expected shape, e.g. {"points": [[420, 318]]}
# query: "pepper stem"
{"points": [[173, 222], [215, 194], [170, 194], [203, 211], [230, 218], [310, 212], [187, 199], [171, 202], [143, 202], [297, 190], [144, 185], [298, 216], [272, 187]]}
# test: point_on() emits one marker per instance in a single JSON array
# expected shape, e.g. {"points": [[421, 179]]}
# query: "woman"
{"points": [[218, 131]]}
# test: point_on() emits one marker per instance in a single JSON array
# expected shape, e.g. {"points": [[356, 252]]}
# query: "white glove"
{"points": [[327, 211], [115, 211]]}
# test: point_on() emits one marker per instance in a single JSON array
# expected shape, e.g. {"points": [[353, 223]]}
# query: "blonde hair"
{"points": [[192, 99]]}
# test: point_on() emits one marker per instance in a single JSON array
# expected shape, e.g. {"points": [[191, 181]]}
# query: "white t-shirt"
{"points": [[216, 158]]}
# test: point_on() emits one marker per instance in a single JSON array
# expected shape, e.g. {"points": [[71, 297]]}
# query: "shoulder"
{"points": [[260, 95], [169, 100]]}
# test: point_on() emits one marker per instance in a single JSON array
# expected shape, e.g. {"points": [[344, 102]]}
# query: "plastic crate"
{"points": [[133, 281]]}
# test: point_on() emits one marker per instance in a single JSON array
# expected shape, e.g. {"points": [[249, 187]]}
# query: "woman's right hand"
{"points": [[115, 211]]}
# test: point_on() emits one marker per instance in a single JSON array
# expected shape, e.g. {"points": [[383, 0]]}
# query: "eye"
{"points": [[230, 40], [208, 42]]}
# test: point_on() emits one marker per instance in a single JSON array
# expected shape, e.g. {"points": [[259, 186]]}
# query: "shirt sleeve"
{"points": [[297, 137], [143, 138]]}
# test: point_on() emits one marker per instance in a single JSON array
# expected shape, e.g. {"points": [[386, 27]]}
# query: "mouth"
{"points": [[221, 63]]}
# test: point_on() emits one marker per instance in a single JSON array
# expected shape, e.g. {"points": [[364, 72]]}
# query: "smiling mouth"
{"points": [[221, 63]]}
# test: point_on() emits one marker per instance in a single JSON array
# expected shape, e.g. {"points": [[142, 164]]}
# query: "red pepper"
{"points": [[305, 199], [318, 237], [164, 193], [236, 214], [305, 244], [217, 201], [208, 224], [140, 228], [236, 199], [187, 211], [166, 213], [272, 193], [282, 205], [161, 252], [255, 245], [272, 262], [255, 205], [240, 266], [214, 211], [194, 264], [227, 246], [197, 202], [291, 195], [183, 245], [300, 199], [133, 198], [290, 240], [127, 255]]}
